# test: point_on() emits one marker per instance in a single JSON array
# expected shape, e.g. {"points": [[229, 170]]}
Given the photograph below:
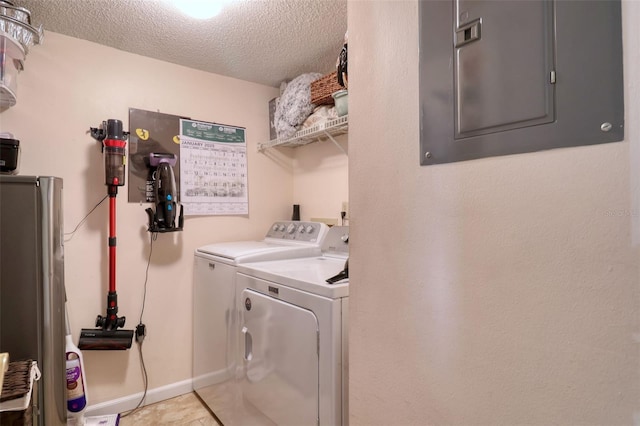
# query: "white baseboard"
{"points": [[206, 380], [127, 403]]}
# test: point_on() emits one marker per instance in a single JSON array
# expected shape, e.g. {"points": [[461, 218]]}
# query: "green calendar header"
{"points": [[212, 132]]}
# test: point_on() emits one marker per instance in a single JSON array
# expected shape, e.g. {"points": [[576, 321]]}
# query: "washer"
{"points": [[215, 323], [293, 342]]}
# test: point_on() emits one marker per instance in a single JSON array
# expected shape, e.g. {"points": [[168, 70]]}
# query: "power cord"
{"points": [[141, 331], [72, 233], [153, 237]]}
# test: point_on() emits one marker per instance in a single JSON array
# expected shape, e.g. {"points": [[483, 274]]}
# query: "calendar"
{"points": [[213, 169]]}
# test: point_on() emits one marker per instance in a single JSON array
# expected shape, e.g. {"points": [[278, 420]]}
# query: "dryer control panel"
{"points": [[337, 241], [295, 230]]}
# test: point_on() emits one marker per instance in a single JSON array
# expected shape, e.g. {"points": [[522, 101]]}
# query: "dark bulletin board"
{"points": [[150, 132]]}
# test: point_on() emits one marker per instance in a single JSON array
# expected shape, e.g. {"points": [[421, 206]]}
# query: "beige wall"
{"points": [[496, 291], [70, 85], [320, 178]]}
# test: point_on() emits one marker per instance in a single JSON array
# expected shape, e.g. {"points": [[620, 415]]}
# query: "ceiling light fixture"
{"points": [[200, 9]]}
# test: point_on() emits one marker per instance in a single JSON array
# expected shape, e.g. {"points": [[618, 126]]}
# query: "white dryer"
{"points": [[293, 344], [215, 317]]}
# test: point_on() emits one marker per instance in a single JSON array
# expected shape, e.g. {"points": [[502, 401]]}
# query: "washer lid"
{"points": [[255, 251]]}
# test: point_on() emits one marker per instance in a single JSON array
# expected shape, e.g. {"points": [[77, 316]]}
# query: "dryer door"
{"points": [[279, 345]]}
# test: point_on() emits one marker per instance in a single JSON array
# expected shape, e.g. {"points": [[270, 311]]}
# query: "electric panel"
{"points": [[499, 78]]}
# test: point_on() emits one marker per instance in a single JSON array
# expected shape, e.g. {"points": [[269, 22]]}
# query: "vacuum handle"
{"points": [[248, 344]]}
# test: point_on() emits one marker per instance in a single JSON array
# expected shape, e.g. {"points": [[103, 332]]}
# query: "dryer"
{"points": [[215, 323], [293, 342]]}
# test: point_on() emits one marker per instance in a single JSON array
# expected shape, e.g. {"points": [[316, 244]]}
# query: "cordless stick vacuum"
{"points": [[107, 336]]}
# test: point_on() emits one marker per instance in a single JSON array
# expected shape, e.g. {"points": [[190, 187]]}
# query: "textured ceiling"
{"points": [[263, 41]]}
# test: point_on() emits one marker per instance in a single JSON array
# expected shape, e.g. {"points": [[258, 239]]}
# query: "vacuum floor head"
{"points": [[105, 340]]}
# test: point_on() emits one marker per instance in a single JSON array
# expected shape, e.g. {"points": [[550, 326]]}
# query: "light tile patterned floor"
{"points": [[184, 410]]}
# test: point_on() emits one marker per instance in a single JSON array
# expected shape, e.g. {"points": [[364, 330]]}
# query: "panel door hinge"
{"points": [[552, 77]]}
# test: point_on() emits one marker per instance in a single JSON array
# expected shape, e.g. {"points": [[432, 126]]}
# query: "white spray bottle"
{"points": [[76, 385]]}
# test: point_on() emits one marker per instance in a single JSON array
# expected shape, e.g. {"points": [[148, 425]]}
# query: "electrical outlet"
{"points": [[141, 332], [345, 208]]}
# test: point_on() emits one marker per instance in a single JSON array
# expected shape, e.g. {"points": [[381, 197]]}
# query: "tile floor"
{"points": [[184, 410]]}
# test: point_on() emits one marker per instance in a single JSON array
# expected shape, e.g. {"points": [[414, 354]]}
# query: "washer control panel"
{"points": [[296, 230]]}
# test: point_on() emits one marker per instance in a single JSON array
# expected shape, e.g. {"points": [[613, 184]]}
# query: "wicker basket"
{"points": [[17, 384], [322, 88]]}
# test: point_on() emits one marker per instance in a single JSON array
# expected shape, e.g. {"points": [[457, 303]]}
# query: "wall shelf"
{"points": [[317, 132]]}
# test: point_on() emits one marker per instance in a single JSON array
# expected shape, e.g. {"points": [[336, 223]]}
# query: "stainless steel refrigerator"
{"points": [[32, 314]]}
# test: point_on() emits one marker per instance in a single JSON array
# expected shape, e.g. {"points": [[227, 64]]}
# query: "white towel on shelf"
{"points": [[295, 105]]}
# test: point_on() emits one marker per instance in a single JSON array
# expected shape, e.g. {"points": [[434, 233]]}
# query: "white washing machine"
{"points": [[215, 317], [293, 344]]}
